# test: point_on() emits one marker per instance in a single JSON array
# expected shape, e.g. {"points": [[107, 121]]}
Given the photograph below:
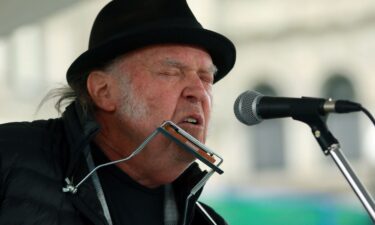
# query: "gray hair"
{"points": [[77, 90], [67, 94]]}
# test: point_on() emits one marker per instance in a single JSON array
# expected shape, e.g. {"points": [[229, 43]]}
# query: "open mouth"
{"points": [[191, 120]]}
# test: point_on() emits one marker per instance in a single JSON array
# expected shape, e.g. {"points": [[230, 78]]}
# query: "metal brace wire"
{"points": [[71, 188]]}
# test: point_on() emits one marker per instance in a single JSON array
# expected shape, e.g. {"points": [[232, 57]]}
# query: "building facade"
{"points": [[292, 48]]}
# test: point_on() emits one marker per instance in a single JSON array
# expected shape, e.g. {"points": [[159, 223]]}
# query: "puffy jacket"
{"points": [[37, 157]]}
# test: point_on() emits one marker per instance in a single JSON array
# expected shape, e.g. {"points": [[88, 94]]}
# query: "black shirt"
{"points": [[129, 203]]}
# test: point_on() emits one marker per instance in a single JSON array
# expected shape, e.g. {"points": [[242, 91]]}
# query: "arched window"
{"points": [[268, 140], [343, 126]]}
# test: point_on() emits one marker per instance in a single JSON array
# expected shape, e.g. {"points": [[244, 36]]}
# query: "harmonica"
{"points": [[192, 145]]}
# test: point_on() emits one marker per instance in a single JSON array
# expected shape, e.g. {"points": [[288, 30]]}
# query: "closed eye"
{"points": [[207, 77], [170, 72]]}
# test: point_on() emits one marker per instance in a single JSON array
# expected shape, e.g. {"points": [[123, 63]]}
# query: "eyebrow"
{"points": [[175, 63]]}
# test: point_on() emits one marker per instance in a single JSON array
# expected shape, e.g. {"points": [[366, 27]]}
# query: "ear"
{"points": [[100, 90]]}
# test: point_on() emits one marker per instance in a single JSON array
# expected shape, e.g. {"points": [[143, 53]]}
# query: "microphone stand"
{"points": [[353, 180], [331, 146]]}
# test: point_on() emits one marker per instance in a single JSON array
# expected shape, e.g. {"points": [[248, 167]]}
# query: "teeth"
{"points": [[191, 120]]}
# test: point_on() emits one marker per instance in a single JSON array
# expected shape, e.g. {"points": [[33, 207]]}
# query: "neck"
{"points": [[146, 170]]}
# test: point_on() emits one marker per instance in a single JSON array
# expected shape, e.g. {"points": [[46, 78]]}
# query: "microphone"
{"points": [[252, 107]]}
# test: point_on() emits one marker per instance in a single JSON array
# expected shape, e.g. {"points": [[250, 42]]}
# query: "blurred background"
{"points": [[275, 172]]}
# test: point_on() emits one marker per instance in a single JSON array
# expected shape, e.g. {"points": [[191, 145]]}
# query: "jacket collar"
{"points": [[80, 128], [182, 187]]}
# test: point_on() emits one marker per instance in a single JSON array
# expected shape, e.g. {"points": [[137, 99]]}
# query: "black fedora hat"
{"points": [[125, 25]]}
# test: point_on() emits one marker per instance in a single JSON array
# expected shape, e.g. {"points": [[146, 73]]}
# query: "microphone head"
{"points": [[245, 107]]}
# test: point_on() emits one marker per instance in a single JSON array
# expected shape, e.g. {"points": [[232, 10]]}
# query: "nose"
{"points": [[196, 90]]}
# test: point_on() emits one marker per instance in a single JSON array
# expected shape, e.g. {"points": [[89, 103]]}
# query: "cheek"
{"points": [[160, 95], [162, 103], [209, 99], [208, 103]]}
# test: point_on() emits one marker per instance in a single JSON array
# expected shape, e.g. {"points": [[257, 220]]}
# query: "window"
{"points": [[26, 61], [343, 126], [268, 140], [3, 61]]}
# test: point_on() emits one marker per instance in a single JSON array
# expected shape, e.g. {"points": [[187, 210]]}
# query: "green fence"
{"points": [[288, 211]]}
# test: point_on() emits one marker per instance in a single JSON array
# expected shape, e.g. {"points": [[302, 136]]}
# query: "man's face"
{"points": [[164, 82]]}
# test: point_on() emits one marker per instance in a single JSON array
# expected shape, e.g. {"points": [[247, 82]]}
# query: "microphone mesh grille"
{"points": [[245, 107]]}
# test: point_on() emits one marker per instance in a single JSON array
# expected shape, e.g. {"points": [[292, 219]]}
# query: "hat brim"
{"points": [[221, 49]]}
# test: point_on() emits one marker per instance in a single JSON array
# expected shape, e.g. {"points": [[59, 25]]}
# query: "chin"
{"points": [[183, 157], [200, 137]]}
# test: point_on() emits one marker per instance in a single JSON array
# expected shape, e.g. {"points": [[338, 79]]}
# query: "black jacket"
{"points": [[36, 158]]}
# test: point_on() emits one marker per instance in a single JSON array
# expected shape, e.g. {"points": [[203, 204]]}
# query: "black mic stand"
{"points": [[331, 146]]}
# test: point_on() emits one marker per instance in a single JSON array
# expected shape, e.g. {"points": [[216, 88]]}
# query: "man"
{"points": [[147, 62]]}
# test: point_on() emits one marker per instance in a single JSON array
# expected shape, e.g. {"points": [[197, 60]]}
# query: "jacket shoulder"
{"points": [[16, 130], [31, 173], [29, 138]]}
